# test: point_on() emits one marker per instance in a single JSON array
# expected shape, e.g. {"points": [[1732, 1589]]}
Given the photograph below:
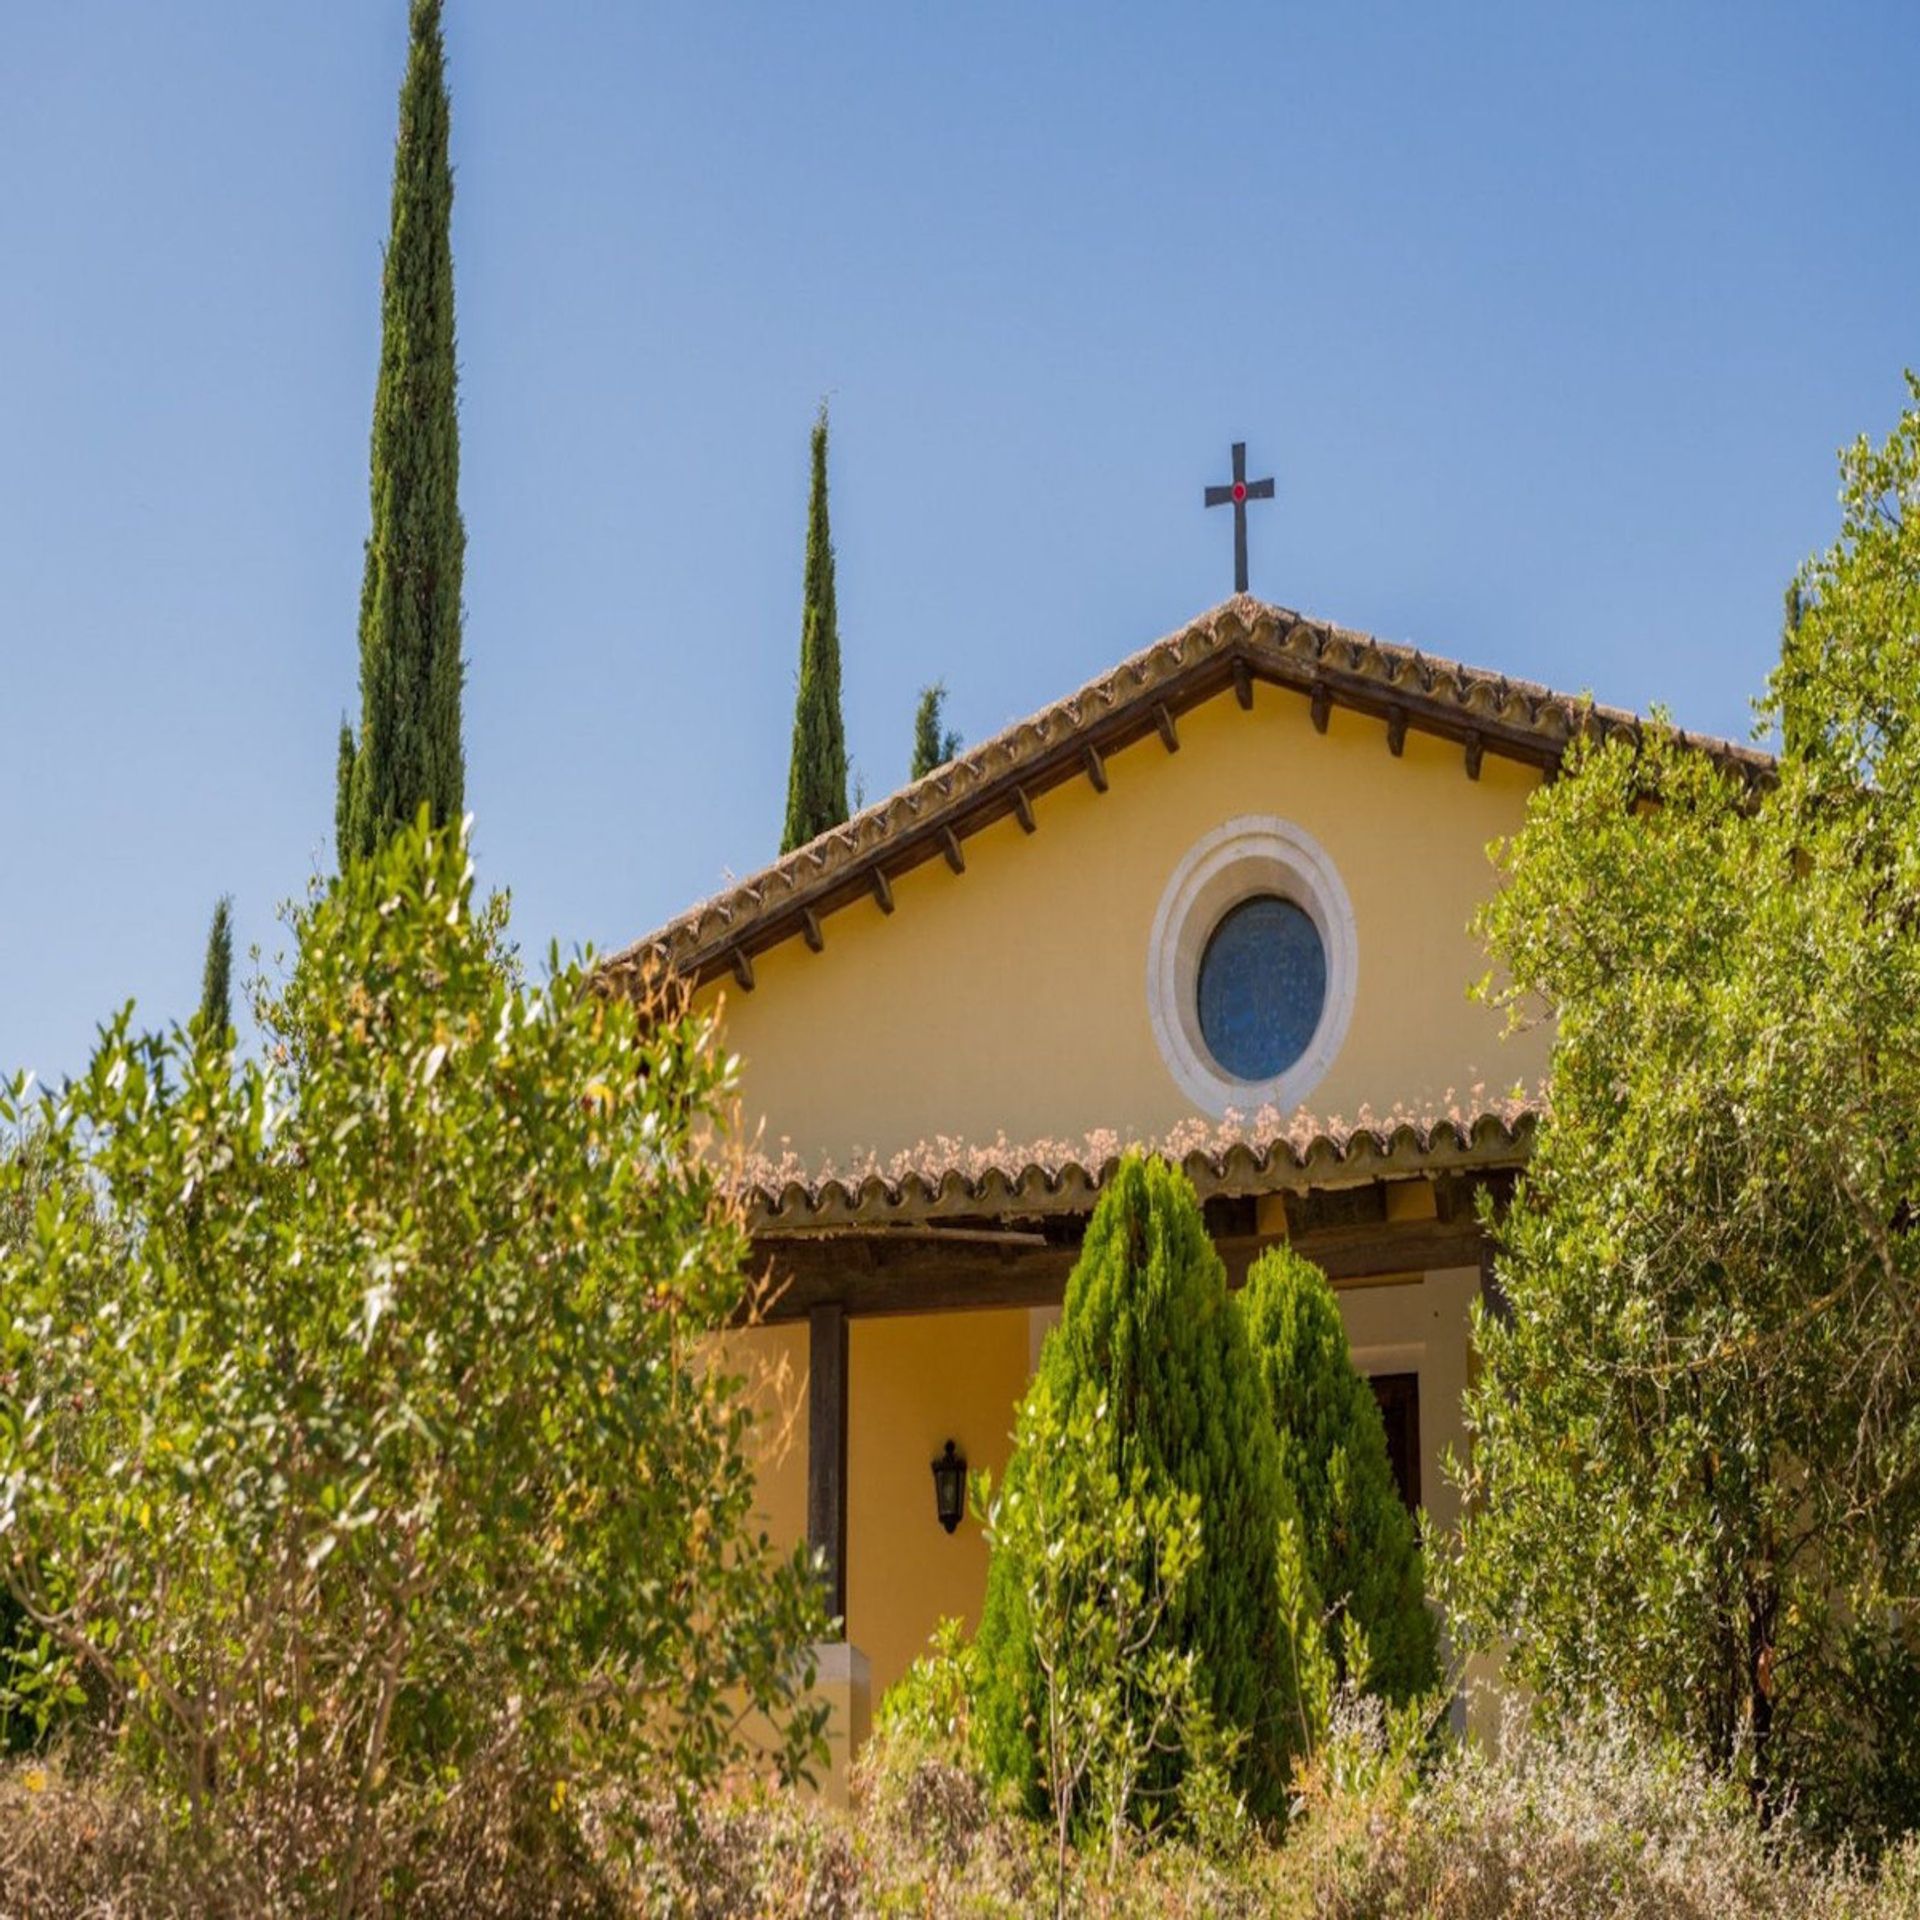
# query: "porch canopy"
{"points": [[952, 1229]]}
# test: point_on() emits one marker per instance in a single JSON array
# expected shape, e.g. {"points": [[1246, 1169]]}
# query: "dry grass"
{"points": [[81, 1843], [1574, 1830]]}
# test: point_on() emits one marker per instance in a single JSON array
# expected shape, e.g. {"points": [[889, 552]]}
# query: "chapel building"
{"points": [[1218, 902]]}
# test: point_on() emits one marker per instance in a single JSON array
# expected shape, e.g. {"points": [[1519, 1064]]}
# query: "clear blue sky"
{"points": [[1549, 320]]}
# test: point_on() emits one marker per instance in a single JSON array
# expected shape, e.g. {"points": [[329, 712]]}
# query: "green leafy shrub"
{"points": [[1150, 1365], [929, 1709], [918, 1779], [1593, 1824], [1361, 1549], [368, 1438], [1694, 1488], [39, 1694], [1591, 1819], [1103, 1562]]}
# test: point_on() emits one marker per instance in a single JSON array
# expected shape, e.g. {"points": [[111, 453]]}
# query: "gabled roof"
{"points": [[1240, 641]]}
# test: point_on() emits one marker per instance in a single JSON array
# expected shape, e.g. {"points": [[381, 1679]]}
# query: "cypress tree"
{"points": [[343, 788], [216, 1008], [1362, 1551], [1150, 1331], [932, 747], [817, 775], [408, 753]]}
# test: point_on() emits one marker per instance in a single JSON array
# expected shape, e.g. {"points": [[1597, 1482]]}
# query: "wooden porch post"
{"points": [[827, 1451]]}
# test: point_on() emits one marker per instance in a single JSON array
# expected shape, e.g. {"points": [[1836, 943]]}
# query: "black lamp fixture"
{"points": [[950, 1487]]}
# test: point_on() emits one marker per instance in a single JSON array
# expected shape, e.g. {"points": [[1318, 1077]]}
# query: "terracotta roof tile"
{"points": [[948, 1179], [1241, 639]]}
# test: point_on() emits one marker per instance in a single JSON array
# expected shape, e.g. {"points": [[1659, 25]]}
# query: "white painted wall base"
{"points": [[844, 1682]]}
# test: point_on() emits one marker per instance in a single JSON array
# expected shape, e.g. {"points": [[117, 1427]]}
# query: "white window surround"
{"points": [[1253, 854]]}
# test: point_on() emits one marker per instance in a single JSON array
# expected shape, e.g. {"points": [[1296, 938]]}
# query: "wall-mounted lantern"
{"points": [[950, 1487]]}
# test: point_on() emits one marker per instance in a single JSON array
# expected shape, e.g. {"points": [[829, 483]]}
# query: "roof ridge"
{"points": [[1240, 637]]}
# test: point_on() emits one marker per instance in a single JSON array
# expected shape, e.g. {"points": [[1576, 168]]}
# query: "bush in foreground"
{"points": [[362, 1442], [1694, 1479], [1585, 1827], [1150, 1367], [1362, 1552]]}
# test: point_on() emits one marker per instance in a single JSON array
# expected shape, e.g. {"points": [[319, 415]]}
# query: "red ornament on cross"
{"points": [[1236, 496]]}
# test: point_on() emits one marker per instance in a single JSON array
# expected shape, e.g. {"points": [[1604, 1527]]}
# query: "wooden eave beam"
{"points": [[1327, 687], [950, 846], [882, 889], [884, 1272], [1076, 757], [1163, 720], [1083, 755]]}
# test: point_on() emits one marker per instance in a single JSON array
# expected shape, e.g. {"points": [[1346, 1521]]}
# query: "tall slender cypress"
{"points": [[408, 751], [343, 789], [216, 1003], [933, 745], [817, 776]]}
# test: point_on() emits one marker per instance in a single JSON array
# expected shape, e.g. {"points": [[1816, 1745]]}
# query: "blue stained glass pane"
{"points": [[1263, 983]]}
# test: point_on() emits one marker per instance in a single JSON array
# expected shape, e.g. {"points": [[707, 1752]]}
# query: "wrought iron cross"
{"points": [[1236, 496]]}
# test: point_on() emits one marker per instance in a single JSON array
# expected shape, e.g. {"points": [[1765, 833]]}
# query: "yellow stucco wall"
{"points": [[1012, 999], [913, 1384], [773, 1360], [917, 1381]]}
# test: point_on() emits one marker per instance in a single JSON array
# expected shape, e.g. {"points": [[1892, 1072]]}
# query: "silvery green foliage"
{"points": [[360, 1416], [1694, 1492], [1103, 1555]]}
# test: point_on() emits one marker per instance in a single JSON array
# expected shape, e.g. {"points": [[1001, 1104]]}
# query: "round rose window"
{"points": [[1252, 967], [1262, 987]]}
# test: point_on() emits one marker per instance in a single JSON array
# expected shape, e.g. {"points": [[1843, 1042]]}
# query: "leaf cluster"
{"points": [[362, 1418], [1695, 1485], [1103, 1555], [1151, 1360]]}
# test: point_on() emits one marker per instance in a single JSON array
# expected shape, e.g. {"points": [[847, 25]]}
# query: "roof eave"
{"points": [[1239, 642]]}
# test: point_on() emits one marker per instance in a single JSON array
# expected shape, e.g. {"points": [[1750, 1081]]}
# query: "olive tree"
{"points": [[1695, 1483], [362, 1430], [1102, 1560]]}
